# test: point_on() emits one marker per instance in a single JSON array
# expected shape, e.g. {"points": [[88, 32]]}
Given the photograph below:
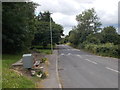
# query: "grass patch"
{"points": [[44, 51], [12, 79], [7, 60], [41, 49]]}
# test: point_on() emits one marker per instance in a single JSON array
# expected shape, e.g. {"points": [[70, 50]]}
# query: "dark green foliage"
{"points": [[107, 49], [87, 35], [17, 25], [21, 27], [110, 35], [64, 40], [42, 35], [92, 39]]}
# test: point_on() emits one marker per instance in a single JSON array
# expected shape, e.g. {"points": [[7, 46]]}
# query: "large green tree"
{"points": [[17, 25], [110, 35], [42, 35], [88, 23]]}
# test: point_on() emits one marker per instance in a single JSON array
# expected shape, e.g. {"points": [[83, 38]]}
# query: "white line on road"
{"points": [[69, 54], [78, 55], [60, 86], [91, 61], [62, 54], [112, 70]]}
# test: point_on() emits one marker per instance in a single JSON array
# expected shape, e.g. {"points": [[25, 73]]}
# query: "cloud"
{"points": [[68, 7], [64, 20], [65, 11]]}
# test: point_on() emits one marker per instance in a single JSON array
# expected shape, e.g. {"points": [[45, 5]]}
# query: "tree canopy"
{"points": [[22, 28], [89, 30], [88, 23], [18, 26], [42, 35]]}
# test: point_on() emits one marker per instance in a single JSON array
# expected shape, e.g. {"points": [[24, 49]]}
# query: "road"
{"points": [[79, 69]]}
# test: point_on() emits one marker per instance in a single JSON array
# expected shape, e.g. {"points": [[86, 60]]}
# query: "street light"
{"points": [[51, 34]]}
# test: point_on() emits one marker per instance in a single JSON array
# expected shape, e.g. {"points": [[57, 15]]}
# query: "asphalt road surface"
{"points": [[79, 69]]}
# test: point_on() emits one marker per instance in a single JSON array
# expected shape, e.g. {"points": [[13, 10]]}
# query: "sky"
{"points": [[64, 11]]}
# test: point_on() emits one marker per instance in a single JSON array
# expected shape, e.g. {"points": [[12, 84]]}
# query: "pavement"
{"points": [[52, 80], [79, 69]]}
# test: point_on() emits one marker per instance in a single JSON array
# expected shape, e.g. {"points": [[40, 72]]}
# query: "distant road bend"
{"points": [[79, 69]]}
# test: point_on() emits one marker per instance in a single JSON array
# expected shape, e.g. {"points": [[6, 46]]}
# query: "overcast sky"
{"points": [[65, 11]]}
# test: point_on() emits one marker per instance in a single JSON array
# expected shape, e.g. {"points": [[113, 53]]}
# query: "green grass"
{"points": [[44, 51], [11, 79], [7, 60], [41, 49]]}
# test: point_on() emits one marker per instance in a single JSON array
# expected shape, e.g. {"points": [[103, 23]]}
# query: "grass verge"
{"points": [[11, 79], [44, 51]]}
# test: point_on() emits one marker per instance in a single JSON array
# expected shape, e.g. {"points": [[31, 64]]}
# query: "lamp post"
{"points": [[51, 34]]}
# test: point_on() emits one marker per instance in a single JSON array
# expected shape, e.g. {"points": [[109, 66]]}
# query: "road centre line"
{"points": [[112, 69], [91, 61]]}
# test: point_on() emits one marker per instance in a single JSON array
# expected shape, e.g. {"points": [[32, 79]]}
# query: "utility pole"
{"points": [[51, 34]]}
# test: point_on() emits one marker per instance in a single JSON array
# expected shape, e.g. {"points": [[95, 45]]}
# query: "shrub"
{"points": [[44, 60], [108, 49]]}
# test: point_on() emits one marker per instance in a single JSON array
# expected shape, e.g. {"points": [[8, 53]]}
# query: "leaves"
{"points": [[42, 35], [18, 26]]}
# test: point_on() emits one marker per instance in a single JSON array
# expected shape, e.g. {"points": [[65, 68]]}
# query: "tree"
{"points": [[88, 23], [45, 17], [42, 35], [93, 38], [109, 30], [110, 35], [73, 38], [18, 26]]}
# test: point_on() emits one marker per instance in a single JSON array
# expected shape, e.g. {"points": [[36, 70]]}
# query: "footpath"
{"points": [[52, 81]]}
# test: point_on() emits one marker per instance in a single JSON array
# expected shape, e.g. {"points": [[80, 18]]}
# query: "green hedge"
{"points": [[107, 49]]}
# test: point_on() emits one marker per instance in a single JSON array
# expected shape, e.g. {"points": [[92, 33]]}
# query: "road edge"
{"points": [[57, 73]]}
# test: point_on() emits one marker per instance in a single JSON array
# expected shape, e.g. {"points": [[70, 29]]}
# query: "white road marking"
{"points": [[112, 70], [91, 61], [62, 54], [69, 54], [60, 86], [78, 55]]}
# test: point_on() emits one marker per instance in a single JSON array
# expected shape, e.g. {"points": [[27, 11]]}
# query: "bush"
{"points": [[108, 49], [43, 74], [44, 60]]}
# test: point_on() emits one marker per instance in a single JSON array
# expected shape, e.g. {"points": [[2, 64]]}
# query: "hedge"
{"points": [[108, 49]]}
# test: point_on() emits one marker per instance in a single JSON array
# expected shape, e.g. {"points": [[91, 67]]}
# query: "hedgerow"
{"points": [[108, 49]]}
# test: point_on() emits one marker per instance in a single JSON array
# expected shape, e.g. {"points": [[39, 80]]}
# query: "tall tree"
{"points": [[88, 23], [42, 35], [110, 35], [18, 26]]}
